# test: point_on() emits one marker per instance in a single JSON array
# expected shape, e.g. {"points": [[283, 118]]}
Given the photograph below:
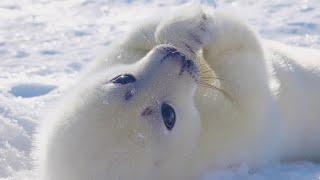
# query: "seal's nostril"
{"points": [[188, 63], [170, 50]]}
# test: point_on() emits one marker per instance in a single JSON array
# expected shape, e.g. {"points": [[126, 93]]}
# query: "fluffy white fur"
{"points": [[266, 112], [98, 134], [273, 116]]}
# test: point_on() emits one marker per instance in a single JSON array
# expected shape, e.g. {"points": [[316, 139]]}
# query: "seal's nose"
{"points": [[172, 53], [170, 50]]}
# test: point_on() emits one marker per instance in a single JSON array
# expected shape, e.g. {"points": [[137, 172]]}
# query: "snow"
{"points": [[31, 90], [45, 44]]}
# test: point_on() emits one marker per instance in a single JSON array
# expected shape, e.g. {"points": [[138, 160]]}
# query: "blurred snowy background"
{"points": [[45, 43]]}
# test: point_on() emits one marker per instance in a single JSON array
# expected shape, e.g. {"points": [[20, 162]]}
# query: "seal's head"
{"points": [[138, 122]]}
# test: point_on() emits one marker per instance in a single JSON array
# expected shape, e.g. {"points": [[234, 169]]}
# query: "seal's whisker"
{"points": [[211, 77], [206, 71], [206, 75], [203, 65], [208, 81], [210, 86]]}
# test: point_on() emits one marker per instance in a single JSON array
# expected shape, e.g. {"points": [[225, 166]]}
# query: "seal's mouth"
{"points": [[187, 65]]}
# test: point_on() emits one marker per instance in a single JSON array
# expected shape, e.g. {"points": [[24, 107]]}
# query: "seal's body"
{"points": [[257, 102]]}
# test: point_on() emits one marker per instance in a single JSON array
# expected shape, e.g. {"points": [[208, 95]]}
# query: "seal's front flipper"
{"points": [[189, 30]]}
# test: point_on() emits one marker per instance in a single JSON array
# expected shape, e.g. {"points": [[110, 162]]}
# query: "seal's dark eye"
{"points": [[168, 115], [123, 79]]}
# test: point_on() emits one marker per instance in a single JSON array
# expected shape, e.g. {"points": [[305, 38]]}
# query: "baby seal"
{"points": [[257, 102], [136, 122]]}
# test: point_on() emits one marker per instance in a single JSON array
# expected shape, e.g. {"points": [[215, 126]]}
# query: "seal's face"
{"points": [[153, 109], [139, 122]]}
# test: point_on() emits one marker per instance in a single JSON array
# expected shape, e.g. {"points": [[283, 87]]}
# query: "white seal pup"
{"points": [[135, 122], [264, 108]]}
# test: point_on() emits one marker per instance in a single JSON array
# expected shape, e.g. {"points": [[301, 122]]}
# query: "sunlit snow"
{"points": [[44, 44]]}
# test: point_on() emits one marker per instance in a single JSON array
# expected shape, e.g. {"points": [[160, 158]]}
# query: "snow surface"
{"points": [[44, 44]]}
